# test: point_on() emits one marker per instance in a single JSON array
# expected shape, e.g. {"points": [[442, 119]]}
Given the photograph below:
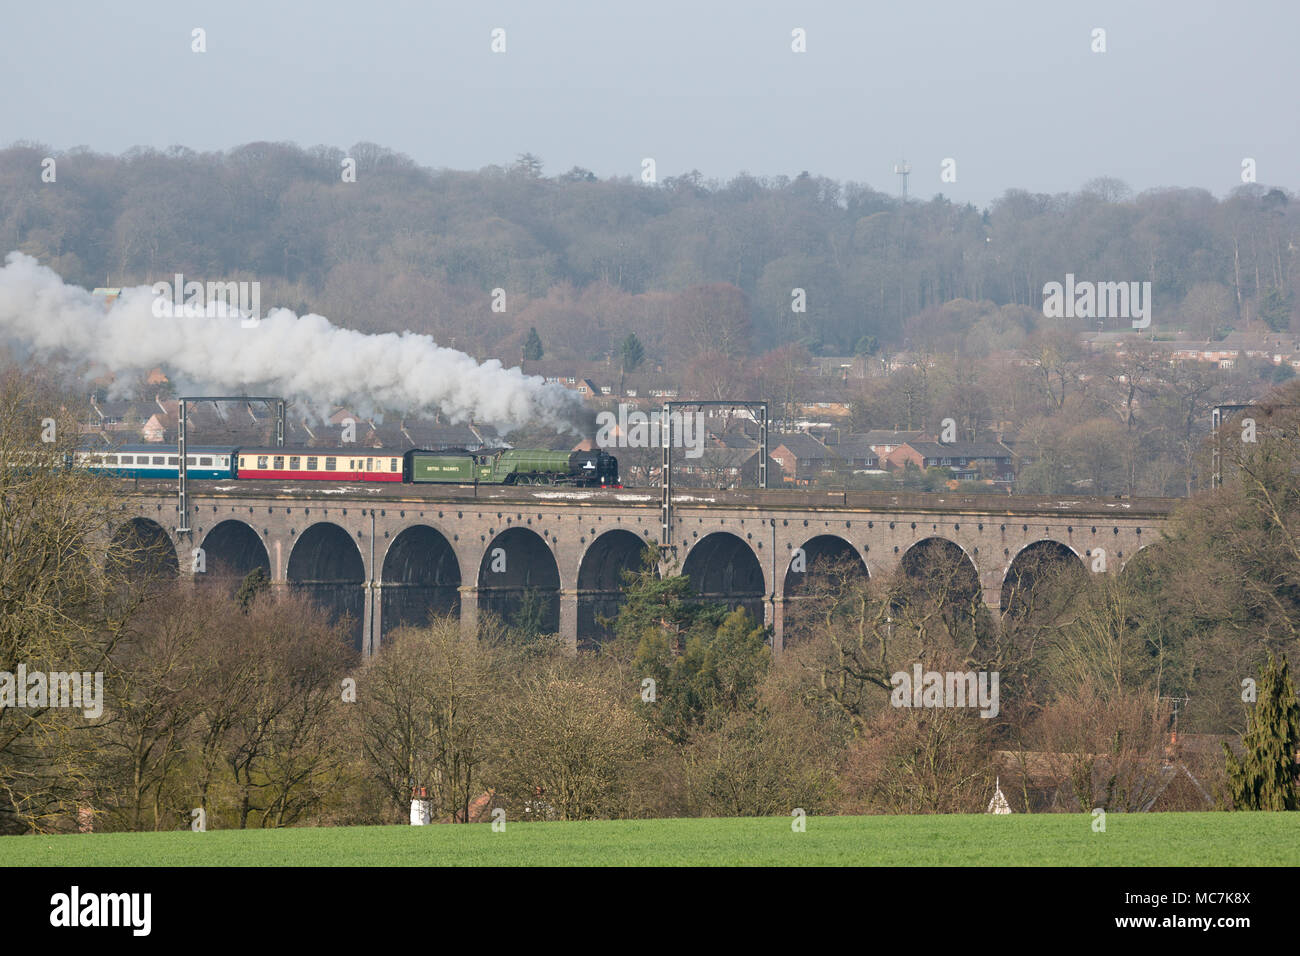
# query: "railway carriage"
{"points": [[319, 464], [159, 461]]}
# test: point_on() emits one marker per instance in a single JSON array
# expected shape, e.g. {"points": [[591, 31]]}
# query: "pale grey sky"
{"points": [[1010, 90]]}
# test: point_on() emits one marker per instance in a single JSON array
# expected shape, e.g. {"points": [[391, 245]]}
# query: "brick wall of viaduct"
{"points": [[386, 555]]}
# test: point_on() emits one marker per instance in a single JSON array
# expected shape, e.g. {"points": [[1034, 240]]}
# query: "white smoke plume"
{"points": [[305, 358]]}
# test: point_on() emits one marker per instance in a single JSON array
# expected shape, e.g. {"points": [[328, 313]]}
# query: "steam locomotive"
{"points": [[514, 466]]}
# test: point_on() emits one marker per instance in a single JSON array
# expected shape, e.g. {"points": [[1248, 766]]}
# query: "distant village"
{"points": [[811, 442]]}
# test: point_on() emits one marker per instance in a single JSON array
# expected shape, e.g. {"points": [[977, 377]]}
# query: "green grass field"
{"points": [[1171, 839]]}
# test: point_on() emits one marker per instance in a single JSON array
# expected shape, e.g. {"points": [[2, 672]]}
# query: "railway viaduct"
{"points": [[386, 555]]}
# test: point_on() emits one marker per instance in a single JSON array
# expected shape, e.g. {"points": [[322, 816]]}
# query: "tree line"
{"points": [[691, 266]]}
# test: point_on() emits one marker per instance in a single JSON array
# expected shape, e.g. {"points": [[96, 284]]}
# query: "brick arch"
{"points": [[141, 549], [326, 564], [232, 550], [817, 550], [420, 574], [1033, 564], [518, 565], [600, 580], [724, 569], [918, 562]]}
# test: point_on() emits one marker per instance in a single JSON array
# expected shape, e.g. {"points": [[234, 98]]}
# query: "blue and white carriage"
{"points": [[159, 461]]}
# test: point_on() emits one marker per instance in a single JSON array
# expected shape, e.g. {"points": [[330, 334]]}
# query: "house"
{"points": [[881, 441], [902, 360], [969, 461], [115, 416], [421, 433], [1043, 782], [723, 468], [801, 458], [732, 439], [856, 454]]}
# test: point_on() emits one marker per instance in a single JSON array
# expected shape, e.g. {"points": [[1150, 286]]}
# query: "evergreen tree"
{"points": [[254, 583], [633, 353], [1275, 309], [533, 346], [716, 674], [1265, 777], [529, 619], [664, 607]]}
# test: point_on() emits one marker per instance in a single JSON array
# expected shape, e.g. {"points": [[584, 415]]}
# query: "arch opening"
{"points": [[943, 571], [939, 603], [142, 551], [822, 556], [724, 570], [231, 551], [421, 577], [519, 581], [818, 572], [600, 582], [326, 565], [1044, 575]]}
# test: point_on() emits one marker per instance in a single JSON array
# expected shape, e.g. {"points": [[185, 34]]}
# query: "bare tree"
{"points": [[425, 704], [65, 598], [568, 743], [1103, 747]]}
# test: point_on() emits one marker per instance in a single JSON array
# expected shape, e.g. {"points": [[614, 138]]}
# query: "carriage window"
{"points": [[158, 459], [311, 463], [171, 459], [205, 462], [330, 464], [261, 461], [294, 462], [279, 462], [392, 464], [110, 459], [128, 459]]}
